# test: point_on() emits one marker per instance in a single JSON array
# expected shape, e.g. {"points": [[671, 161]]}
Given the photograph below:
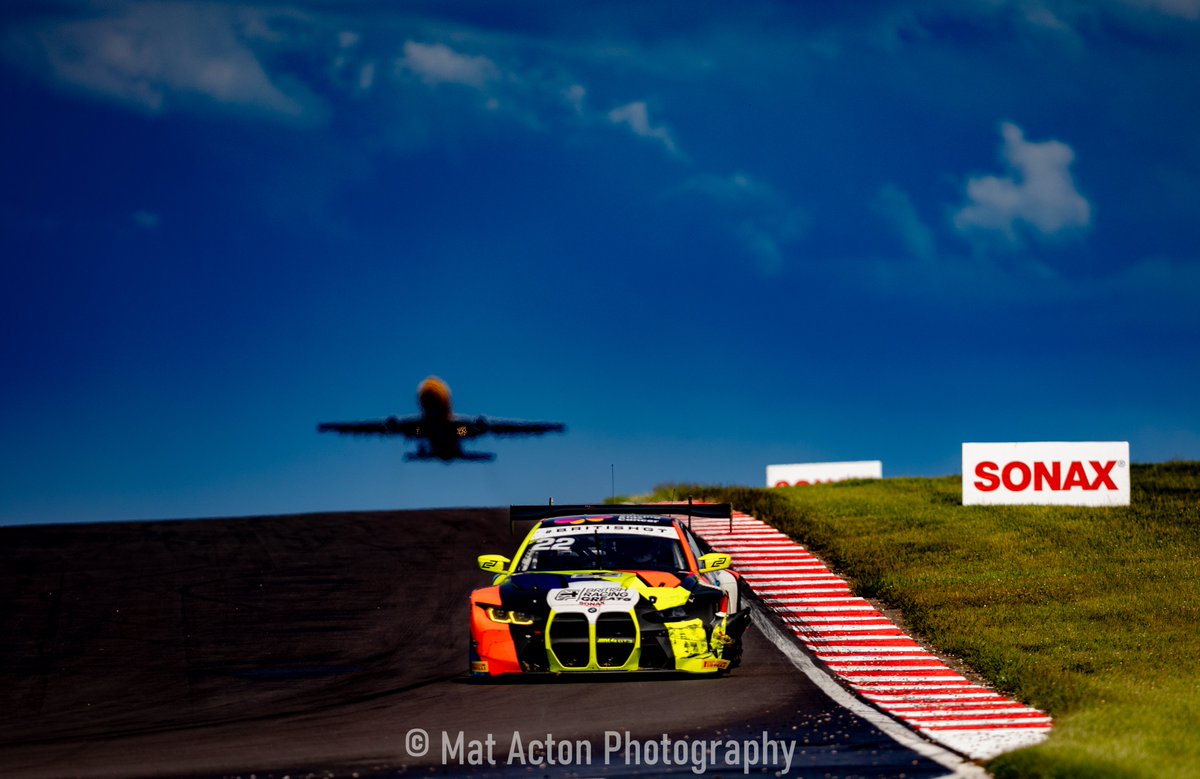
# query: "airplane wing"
{"points": [[484, 426], [410, 427]]}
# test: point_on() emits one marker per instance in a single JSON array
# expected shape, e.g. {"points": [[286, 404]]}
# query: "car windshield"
{"points": [[604, 551]]}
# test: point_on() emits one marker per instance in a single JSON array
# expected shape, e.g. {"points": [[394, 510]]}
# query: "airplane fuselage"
{"points": [[443, 435]]}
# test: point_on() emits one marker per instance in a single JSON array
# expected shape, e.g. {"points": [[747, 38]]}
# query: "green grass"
{"points": [[1090, 614]]}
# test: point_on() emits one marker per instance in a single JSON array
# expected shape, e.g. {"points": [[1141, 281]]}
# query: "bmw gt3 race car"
{"points": [[608, 588]]}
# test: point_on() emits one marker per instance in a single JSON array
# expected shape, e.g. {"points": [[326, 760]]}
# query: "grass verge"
{"points": [[1090, 614]]}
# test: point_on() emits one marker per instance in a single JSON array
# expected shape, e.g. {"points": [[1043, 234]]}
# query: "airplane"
{"points": [[439, 430]]}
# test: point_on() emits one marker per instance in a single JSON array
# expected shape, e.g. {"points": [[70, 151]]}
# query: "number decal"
{"points": [[552, 545]]}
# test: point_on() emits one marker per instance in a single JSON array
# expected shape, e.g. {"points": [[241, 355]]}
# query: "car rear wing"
{"points": [[703, 510]]}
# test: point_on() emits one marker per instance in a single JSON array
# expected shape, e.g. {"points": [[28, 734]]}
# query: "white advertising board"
{"points": [[1046, 473], [804, 474]]}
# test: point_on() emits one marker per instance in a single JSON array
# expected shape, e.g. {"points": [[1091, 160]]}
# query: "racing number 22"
{"points": [[552, 545]]}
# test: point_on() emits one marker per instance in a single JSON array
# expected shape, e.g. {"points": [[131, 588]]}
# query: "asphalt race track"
{"points": [[326, 645]]}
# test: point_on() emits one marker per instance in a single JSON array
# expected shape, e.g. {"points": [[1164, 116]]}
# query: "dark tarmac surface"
{"points": [[325, 645]]}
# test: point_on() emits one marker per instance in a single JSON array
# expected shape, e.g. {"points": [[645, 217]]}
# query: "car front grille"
{"points": [[570, 639], [616, 637]]}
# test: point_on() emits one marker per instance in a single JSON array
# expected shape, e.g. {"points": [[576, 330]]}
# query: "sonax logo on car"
{"points": [[805, 474], [1094, 473]]}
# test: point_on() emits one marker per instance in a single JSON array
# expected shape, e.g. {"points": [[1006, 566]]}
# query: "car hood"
{"points": [[538, 580], [528, 592]]}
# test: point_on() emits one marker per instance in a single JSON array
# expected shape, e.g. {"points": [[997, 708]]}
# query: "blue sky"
{"points": [[706, 240]]}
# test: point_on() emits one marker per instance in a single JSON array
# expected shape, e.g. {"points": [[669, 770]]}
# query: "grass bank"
{"points": [[1090, 614]]}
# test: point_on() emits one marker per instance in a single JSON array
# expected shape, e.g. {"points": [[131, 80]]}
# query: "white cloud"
{"points": [[1038, 195], [636, 117], [366, 76], [575, 95], [156, 55], [437, 63], [1186, 9], [145, 219], [895, 206], [763, 220], [1045, 18]]}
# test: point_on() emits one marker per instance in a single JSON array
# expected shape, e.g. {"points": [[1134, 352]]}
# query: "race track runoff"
{"points": [[327, 645]]}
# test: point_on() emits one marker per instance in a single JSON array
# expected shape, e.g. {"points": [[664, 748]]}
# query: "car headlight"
{"points": [[508, 617]]}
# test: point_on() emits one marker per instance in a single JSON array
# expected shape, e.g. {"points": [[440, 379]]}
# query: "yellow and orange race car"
{"points": [[608, 588]]}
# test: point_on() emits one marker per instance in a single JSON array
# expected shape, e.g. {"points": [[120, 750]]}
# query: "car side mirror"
{"points": [[493, 563], [713, 561]]}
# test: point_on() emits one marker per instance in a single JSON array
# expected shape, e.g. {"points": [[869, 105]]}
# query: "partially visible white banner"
{"points": [[804, 474]]}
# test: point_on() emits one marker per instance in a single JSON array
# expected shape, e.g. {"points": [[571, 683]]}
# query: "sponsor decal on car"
{"points": [[593, 599], [577, 520], [667, 531]]}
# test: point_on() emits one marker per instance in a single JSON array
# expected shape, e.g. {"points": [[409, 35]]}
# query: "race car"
{"points": [[605, 589]]}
